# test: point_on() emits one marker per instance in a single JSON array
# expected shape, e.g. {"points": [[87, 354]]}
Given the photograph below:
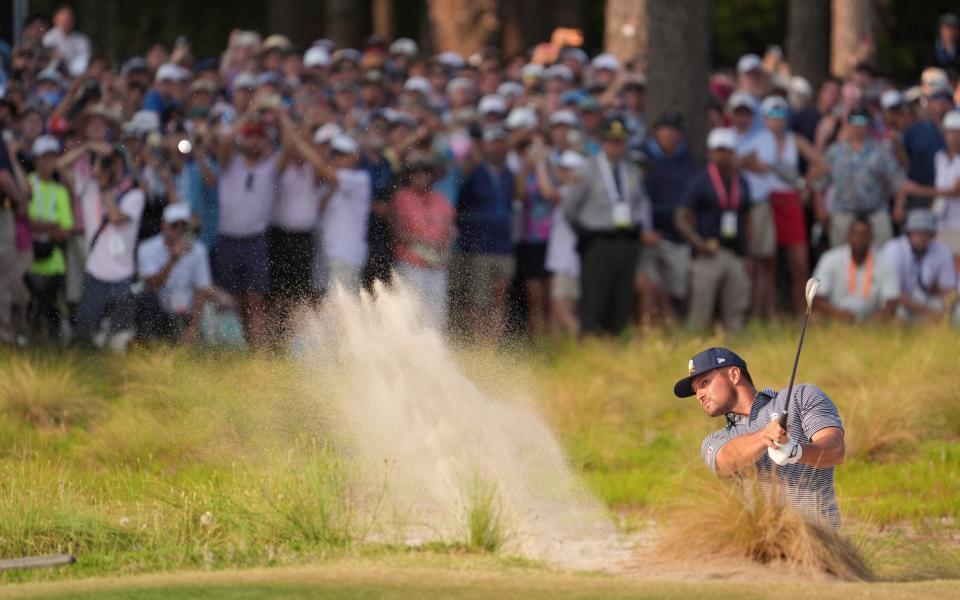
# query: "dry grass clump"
{"points": [[48, 394], [712, 521]]}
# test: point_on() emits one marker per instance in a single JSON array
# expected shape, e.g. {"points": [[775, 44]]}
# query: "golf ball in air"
{"points": [[184, 146]]}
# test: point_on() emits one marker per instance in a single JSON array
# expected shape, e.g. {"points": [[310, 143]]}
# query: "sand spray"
{"points": [[429, 445]]}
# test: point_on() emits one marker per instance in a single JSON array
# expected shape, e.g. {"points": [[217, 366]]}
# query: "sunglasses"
{"points": [[859, 120], [777, 113]]}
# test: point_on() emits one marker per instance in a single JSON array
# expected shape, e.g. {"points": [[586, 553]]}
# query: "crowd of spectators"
{"points": [[198, 199]]}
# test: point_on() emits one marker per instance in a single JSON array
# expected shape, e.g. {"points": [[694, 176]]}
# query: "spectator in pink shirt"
{"points": [[423, 222]]}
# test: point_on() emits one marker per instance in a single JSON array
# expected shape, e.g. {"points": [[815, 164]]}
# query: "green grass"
{"points": [[170, 459]]}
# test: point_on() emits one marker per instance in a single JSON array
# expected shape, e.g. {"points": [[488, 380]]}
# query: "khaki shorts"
{"points": [[667, 265], [951, 239], [474, 275], [764, 233], [879, 221], [564, 286]]}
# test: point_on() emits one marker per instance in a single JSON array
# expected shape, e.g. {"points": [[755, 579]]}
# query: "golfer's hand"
{"points": [[787, 453], [773, 434]]}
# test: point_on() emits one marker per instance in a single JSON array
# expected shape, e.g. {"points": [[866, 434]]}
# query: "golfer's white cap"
{"points": [[45, 144], [951, 121], [572, 160], [722, 138], [344, 144], [178, 212], [749, 62], [325, 133]]}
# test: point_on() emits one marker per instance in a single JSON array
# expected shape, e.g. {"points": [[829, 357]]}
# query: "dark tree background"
{"points": [[120, 28]]}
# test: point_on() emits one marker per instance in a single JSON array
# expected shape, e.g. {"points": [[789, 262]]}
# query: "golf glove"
{"points": [[787, 453]]}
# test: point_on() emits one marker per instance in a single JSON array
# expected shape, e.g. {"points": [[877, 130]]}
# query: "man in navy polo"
{"points": [[753, 440]]}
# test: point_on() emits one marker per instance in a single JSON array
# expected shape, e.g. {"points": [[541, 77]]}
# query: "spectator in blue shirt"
{"points": [[484, 262]]}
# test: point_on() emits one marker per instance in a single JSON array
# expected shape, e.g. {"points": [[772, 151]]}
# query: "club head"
{"points": [[813, 285]]}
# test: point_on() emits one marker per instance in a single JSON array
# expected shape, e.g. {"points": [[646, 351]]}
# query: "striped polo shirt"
{"points": [[808, 489]]}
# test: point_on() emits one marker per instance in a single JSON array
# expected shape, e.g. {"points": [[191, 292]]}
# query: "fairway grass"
{"points": [[168, 459]]}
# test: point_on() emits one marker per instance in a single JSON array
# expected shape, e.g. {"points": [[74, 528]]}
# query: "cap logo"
{"points": [[721, 360], [690, 367], [616, 128]]}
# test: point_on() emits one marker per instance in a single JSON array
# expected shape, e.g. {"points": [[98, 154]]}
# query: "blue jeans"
{"points": [[101, 299]]}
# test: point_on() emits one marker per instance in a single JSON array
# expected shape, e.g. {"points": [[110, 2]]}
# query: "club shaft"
{"points": [[36, 562], [793, 375]]}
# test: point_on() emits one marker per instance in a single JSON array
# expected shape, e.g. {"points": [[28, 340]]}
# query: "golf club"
{"points": [[813, 284]]}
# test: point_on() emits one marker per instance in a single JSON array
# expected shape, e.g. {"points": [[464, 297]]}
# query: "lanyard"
{"points": [[867, 276], [731, 202], [617, 194]]}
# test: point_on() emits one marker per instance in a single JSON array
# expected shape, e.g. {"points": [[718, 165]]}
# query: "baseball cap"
{"points": [[563, 117], [605, 62], [704, 362], [588, 103], [172, 72], [510, 88], [949, 19], [740, 100], [451, 60], [919, 219], [316, 56], [325, 133], [951, 120], [51, 76], [276, 42], [255, 128], [418, 84], [245, 81], [571, 159], [404, 46], [136, 63], [491, 103], [178, 212], [672, 119], [344, 144], [800, 86], [576, 54], [521, 118], [615, 129], [532, 71], [774, 106], [459, 82], [891, 99], [749, 62], [722, 138], [559, 72], [45, 144], [269, 78]]}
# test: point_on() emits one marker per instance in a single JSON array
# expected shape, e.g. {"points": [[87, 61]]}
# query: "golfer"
{"points": [[805, 454]]}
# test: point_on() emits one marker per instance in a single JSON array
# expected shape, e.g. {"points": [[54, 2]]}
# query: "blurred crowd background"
{"points": [[547, 190]]}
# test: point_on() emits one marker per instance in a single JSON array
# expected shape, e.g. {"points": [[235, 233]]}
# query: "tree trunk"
{"points": [[464, 26], [678, 62], [851, 34], [343, 22], [626, 32], [286, 17], [808, 39], [383, 18], [568, 13], [512, 32]]}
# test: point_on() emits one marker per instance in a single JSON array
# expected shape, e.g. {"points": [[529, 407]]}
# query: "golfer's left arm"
{"points": [[826, 449]]}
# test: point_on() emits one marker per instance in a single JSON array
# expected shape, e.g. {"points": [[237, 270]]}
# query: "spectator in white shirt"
{"points": [[247, 190], [111, 209], [855, 285], [924, 268], [68, 45], [176, 272], [345, 212]]}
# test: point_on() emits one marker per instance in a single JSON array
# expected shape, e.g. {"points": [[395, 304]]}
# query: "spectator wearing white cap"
{"points": [[402, 53], [756, 150], [925, 270], [175, 270], [604, 69], [752, 78], [345, 211], [562, 260], [923, 138], [714, 217], [895, 118], [170, 90], [51, 223], [492, 109]]}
